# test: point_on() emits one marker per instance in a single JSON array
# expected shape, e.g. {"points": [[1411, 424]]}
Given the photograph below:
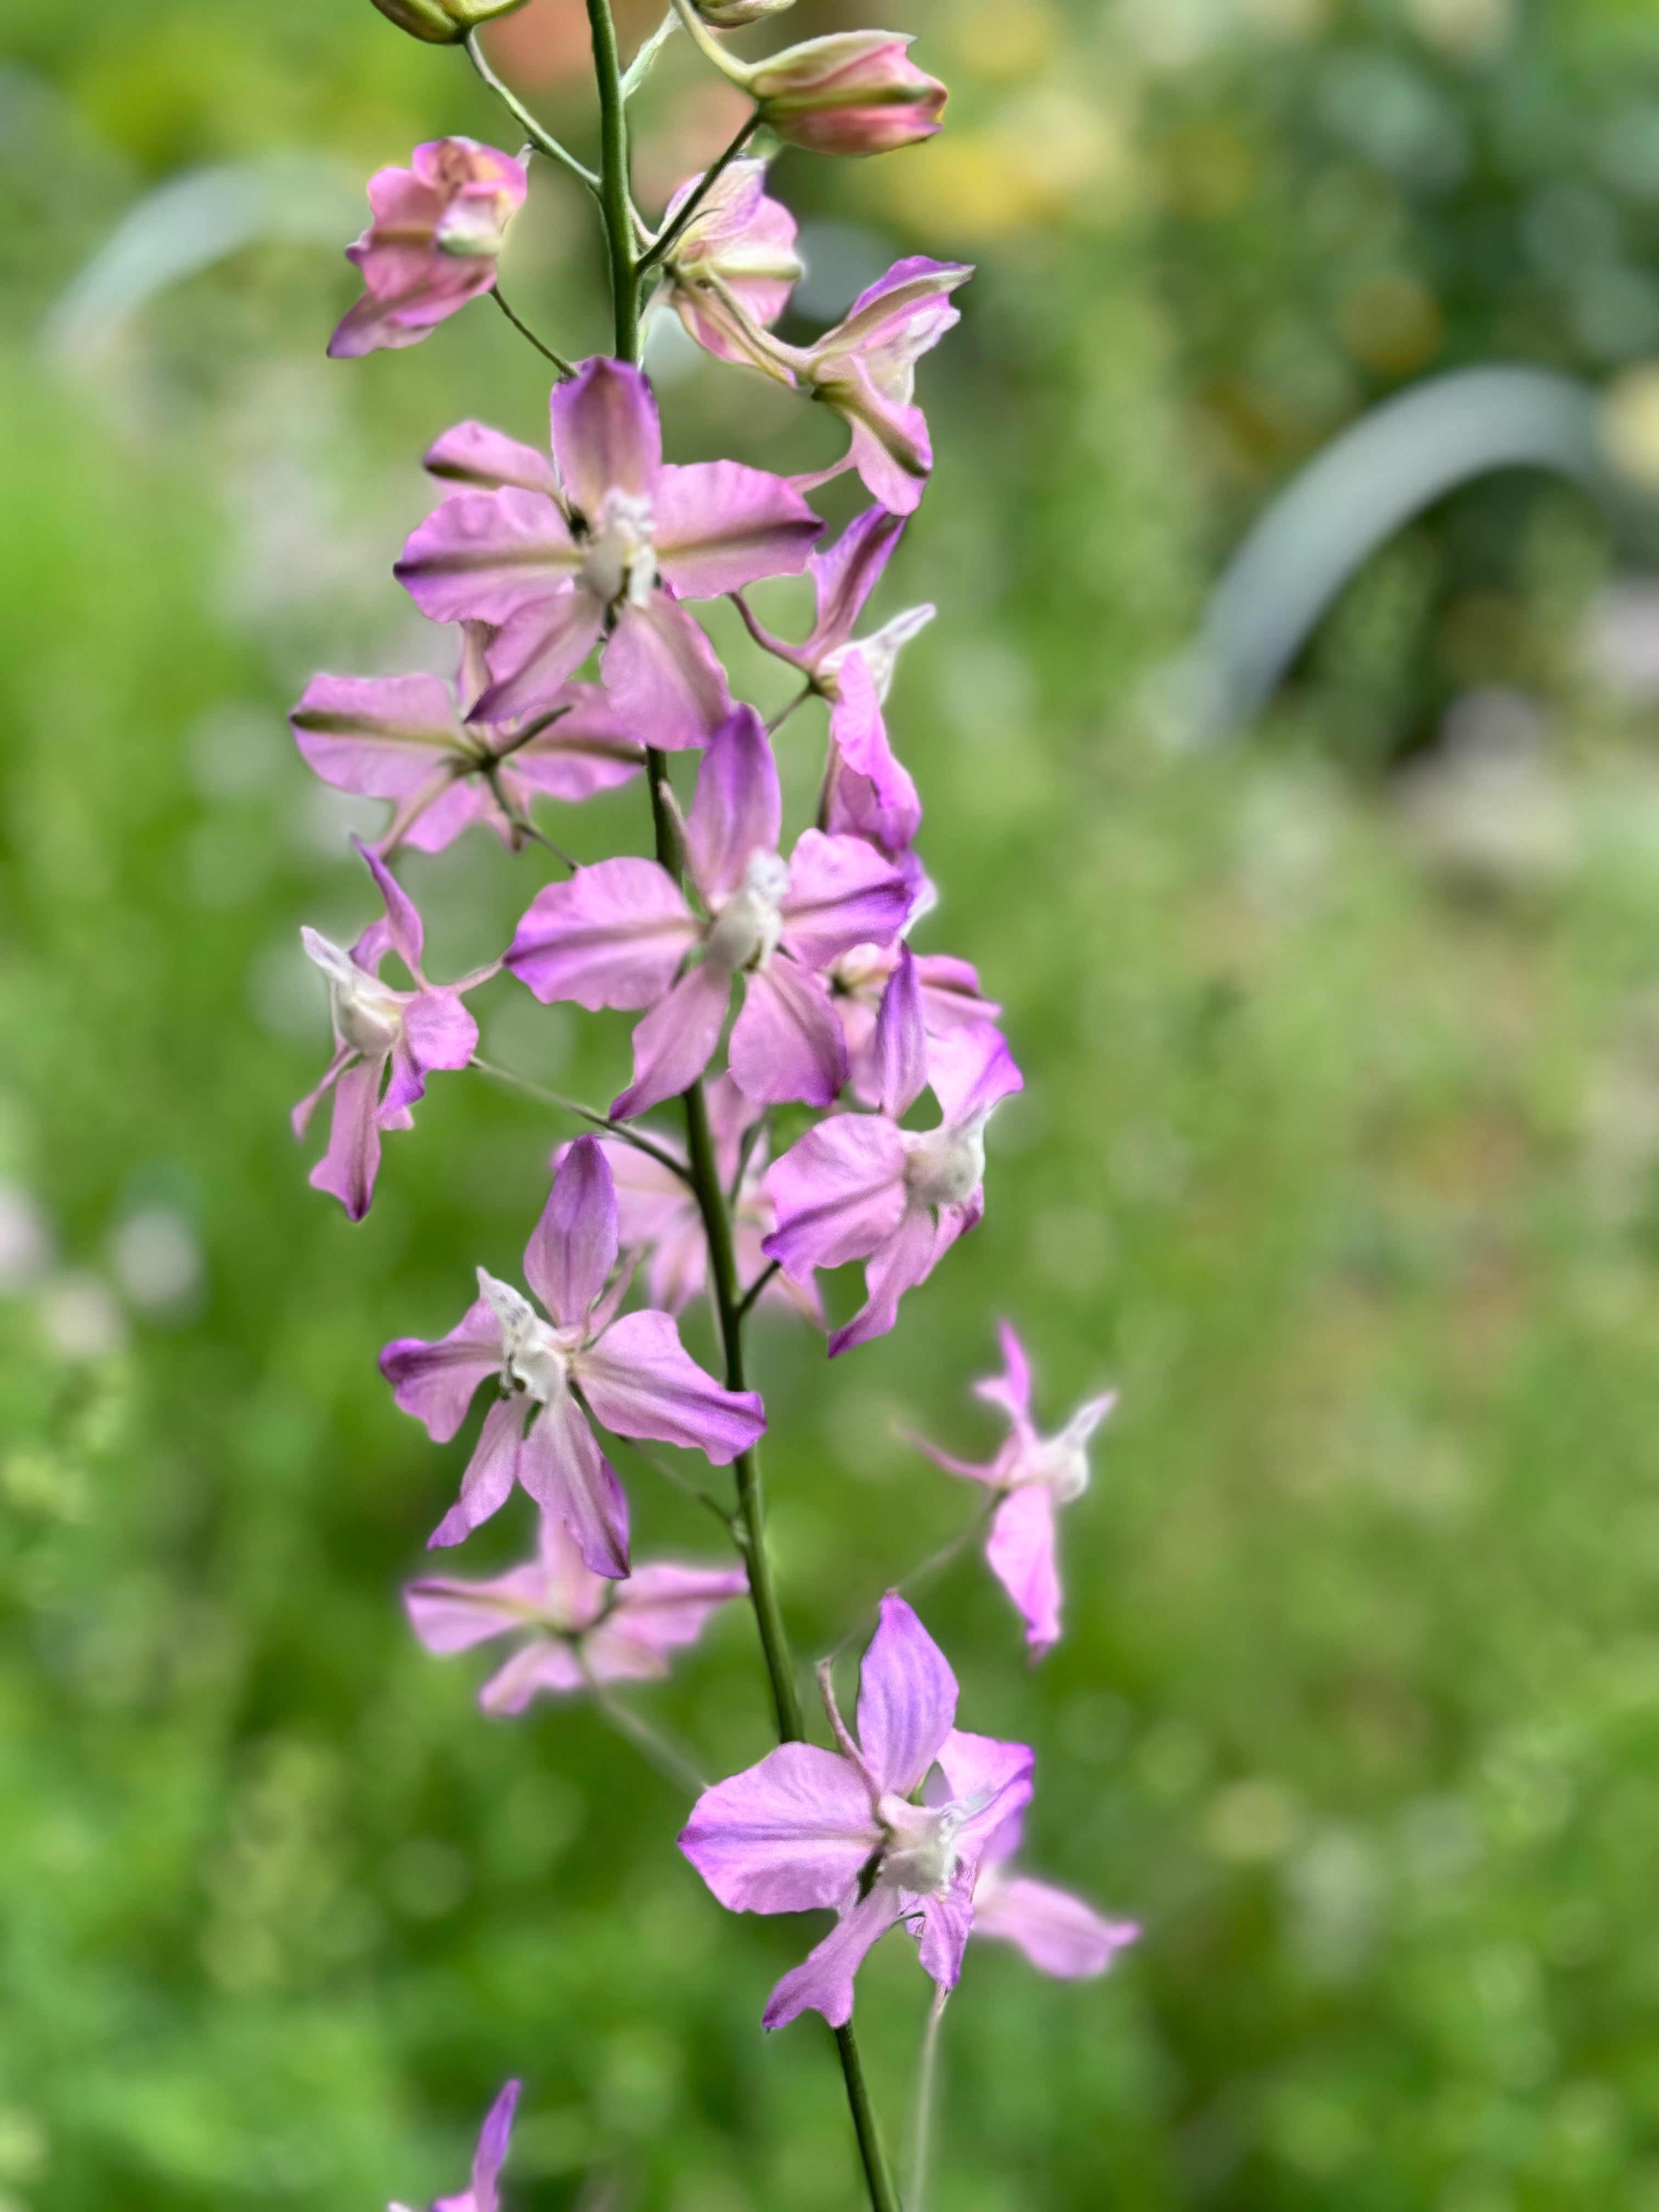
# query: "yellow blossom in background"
{"points": [[1630, 424]]}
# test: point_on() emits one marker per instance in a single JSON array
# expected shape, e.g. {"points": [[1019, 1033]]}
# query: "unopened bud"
{"points": [[733, 14], [444, 22], [856, 92]]}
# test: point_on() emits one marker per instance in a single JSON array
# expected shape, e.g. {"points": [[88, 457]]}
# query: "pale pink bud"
{"points": [[857, 92], [444, 22]]}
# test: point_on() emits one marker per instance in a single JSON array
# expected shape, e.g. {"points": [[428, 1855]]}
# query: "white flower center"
{"points": [[745, 931], [920, 1852], [943, 1166], [621, 560], [1062, 1467], [471, 228], [535, 1357], [367, 1015]]}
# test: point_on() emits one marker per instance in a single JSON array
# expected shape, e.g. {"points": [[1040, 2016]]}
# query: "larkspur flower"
{"points": [[854, 92], [407, 739], [481, 2195], [1034, 1475], [843, 576], [377, 1030], [618, 934], [660, 1222], [1058, 1933], [735, 264], [865, 368], [808, 1828], [947, 988], [634, 1374], [432, 245], [574, 1628], [858, 1186], [604, 547]]}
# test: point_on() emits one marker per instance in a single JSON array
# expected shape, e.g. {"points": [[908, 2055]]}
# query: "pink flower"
{"points": [[406, 738], [860, 1187], [739, 248], [844, 575], [1059, 1933], [481, 2195], [433, 244], [575, 1627], [660, 1222], [619, 933], [1035, 1475], [854, 92], [377, 1028], [633, 1374], [948, 990], [605, 548], [809, 1829], [865, 369]]}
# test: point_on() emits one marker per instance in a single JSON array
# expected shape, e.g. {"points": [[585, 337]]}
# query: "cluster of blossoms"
{"points": [[760, 976]]}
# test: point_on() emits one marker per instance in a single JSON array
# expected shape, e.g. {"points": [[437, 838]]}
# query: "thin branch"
{"points": [[747, 1303], [566, 372], [643, 61], [935, 1563], [760, 1126], [670, 1763], [673, 1476], [709, 46], [787, 710], [628, 1135], [539, 136], [666, 241], [922, 2138]]}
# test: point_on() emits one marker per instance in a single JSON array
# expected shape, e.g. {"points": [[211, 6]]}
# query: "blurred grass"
{"points": [[1337, 1158]]}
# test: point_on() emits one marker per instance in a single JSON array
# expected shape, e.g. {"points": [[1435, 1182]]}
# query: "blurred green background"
{"points": [[1337, 1156]]}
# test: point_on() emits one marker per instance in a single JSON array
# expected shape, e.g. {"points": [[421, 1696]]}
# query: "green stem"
{"points": [[615, 200], [883, 2197], [524, 329], [539, 137], [667, 240]]}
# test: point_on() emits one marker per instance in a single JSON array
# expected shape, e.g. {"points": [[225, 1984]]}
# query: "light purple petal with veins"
{"points": [[786, 1835], [641, 1381], [484, 459], [587, 749], [787, 1043], [899, 1049], [663, 676], [906, 1699], [606, 436], [839, 1193], [867, 792], [561, 1465], [845, 574], [381, 736], [452, 1616], [613, 935], [1059, 1933], [972, 1070], [435, 1381], [676, 1041], [1011, 1389], [666, 1605], [907, 1257], [573, 1247], [824, 1980], [403, 931], [720, 525], [737, 806], [490, 1474], [489, 2159], [347, 1169], [1020, 1552], [993, 1779], [946, 1924], [482, 555], [841, 893], [537, 650], [440, 1032], [548, 1667]]}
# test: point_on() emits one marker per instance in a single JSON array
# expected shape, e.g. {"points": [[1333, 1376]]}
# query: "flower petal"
{"points": [[606, 436], [439, 1030], [381, 736], [1011, 1389], [676, 1041], [945, 1925], [737, 806], [492, 2148], [908, 1257], [434, 1381], [900, 1049], [613, 935], [663, 1607], [488, 1482], [786, 1835], [906, 1699], [841, 893], [720, 525], [562, 1467], [485, 460], [663, 676], [839, 1193], [867, 793], [971, 1070], [347, 1169], [824, 1980], [641, 1381], [1020, 1553], [536, 651], [548, 1666], [845, 574], [1059, 1933], [452, 1616], [787, 1043], [485, 555], [586, 750], [573, 1247]]}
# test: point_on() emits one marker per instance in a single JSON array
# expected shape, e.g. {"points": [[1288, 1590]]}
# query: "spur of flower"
{"points": [[433, 244], [619, 933], [859, 1187], [888, 1829], [601, 549], [408, 739], [1033, 1476], [572, 1629], [1058, 1933], [381, 1035], [661, 1224], [633, 1375], [481, 2194]]}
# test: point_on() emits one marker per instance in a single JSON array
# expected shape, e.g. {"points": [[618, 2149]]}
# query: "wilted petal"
{"points": [[908, 1258], [606, 437], [737, 806], [485, 460], [906, 1699], [484, 555], [720, 525], [641, 1381], [841, 893], [1059, 1933], [435, 1381], [787, 1043], [824, 1980], [1020, 1553], [562, 1467], [573, 1247], [491, 1473], [535, 653], [613, 935], [676, 1041], [786, 1835], [347, 1169], [663, 676], [839, 1193]]}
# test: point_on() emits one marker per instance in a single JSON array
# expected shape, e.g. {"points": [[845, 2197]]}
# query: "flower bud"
{"points": [[444, 22], [733, 14], [856, 92]]}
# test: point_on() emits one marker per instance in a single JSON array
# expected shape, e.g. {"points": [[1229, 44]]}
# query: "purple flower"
{"points": [[843, 576], [1035, 1475], [406, 738], [948, 990], [854, 92], [808, 1828], [1059, 1933], [860, 1187], [377, 1028], [865, 369], [605, 549], [735, 264], [634, 1374], [433, 244], [481, 2195], [660, 1222], [575, 1627], [619, 933]]}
